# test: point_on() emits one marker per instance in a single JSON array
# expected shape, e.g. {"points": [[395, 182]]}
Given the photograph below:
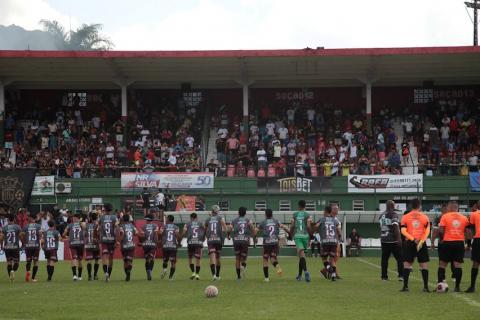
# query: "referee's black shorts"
{"points": [[476, 250], [451, 251], [410, 252]]}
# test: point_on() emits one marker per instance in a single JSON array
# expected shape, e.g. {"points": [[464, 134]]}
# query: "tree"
{"points": [[85, 37]]}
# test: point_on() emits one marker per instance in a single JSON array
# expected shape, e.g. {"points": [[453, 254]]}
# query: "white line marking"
{"points": [[471, 302]]}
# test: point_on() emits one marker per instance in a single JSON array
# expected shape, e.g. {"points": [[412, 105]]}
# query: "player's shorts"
{"points": [[328, 250], [476, 250], [128, 254], [451, 251], [240, 249], [215, 248], [32, 254], [108, 248], [91, 254], [301, 242], [410, 252], [76, 253], [12, 255], [170, 255], [51, 255], [149, 252], [270, 251], [194, 251], [146, 205]]}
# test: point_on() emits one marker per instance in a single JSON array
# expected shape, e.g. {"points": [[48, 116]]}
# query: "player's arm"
{"points": [[21, 236], [65, 232], [310, 227], [396, 232], [119, 234], [339, 233], [179, 236], [292, 227], [184, 230]]}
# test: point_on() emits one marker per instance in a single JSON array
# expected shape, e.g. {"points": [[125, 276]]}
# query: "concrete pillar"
{"points": [[2, 112], [245, 107], [369, 106], [124, 102]]}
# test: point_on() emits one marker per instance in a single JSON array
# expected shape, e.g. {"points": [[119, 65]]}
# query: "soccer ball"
{"points": [[211, 292], [442, 287]]}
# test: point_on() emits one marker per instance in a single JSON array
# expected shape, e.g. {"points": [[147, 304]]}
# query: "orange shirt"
{"points": [[475, 220], [416, 223], [454, 224]]}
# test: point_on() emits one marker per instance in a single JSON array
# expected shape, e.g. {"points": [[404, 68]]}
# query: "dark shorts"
{"points": [[76, 253], [476, 250], [215, 248], [32, 254], [328, 250], [146, 205], [270, 251], [169, 255], [240, 249], [12, 255], [194, 251], [51, 255], [91, 254], [108, 248], [149, 252], [410, 252], [128, 254], [451, 251]]}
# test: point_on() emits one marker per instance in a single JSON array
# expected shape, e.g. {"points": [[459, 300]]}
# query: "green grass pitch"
{"points": [[359, 295]]}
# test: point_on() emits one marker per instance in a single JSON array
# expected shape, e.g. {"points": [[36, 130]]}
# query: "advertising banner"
{"points": [[16, 187], [177, 180], [385, 183], [44, 186], [475, 181], [295, 185]]}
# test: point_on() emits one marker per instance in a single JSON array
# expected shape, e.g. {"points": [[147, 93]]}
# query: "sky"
{"points": [[255, 24]]}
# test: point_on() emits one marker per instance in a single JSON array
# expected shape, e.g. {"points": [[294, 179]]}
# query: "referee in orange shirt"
{"points": [[452, 228], [415, 227], [475, 221]]}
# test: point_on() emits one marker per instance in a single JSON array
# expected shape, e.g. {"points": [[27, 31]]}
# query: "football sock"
{"points": [[29, 265], [473, 277], [110, 270], [74, 271], [80, 269], [303, 262], [300, 267], [197, 269], [238, 272], [458, 277], [49, 272], [275, 263], [9, 268], [334, 269], [34, 271], [212, 269], [105, 268], [89, 270], [147, 265], [244, 264], [95, 269], [265, 272], [406, 275], [172, 272], [152, 263], [164, 265], [441, 274], [217, 271], [15, 266], [192, 267], [425, 277]]}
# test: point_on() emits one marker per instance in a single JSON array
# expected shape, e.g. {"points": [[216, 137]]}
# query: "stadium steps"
{"points": [[212, 150]]}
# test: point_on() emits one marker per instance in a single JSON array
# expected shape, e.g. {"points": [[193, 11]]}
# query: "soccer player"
{"points": [[10, 237], [270, 229], [49, 243], [149, 237], [126, 232], [300, 227], [215, 227], [435, 234], [242, 229], [75, 232], [92, 249], [415, 227], [390, 240], [145, 197], [335, 209], [107, 228], [195, 232], [452, 229], [31, 241], [475, 221], [330, 235], [170, 234]]}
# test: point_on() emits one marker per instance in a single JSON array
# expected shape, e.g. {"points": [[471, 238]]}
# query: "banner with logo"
{"points": [[177, 180], [295, 185], [385, 183], [475, 181], [16, 187], [44, 186]]}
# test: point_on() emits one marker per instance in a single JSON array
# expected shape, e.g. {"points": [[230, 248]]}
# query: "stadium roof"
{"points": [[229, 68]]}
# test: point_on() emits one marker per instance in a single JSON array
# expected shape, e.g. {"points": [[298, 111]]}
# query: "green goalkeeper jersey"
{"points": [[301, 218]]}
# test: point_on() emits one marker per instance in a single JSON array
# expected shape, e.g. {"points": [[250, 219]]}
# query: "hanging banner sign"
{"points": [[385, 183]]}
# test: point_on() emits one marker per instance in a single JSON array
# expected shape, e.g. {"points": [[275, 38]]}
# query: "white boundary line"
{"points": [[471, 302]]}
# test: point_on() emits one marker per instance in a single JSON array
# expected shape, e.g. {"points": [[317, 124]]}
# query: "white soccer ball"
{"points": [[211, 292], [442, 287]]}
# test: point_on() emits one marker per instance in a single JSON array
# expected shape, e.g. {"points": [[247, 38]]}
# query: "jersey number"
{"points": [[213, 227], [330, 230], [170, 236], [32, 234], [11, 237]]}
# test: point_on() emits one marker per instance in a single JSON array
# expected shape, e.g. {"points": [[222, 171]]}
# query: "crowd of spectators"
{"points": [[75, 141]]}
